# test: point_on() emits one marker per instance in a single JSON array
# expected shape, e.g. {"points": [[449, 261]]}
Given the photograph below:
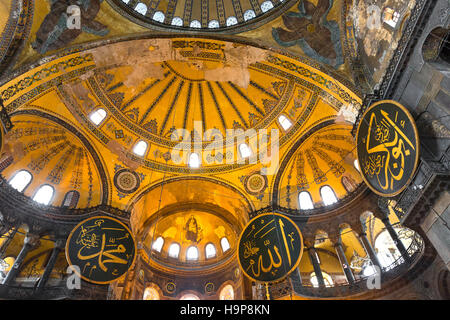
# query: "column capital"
{"points": [[32, 240], [60, 243]]}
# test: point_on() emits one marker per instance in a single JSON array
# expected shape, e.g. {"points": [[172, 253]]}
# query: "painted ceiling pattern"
{"points": [[55, 156], [191, 84], [324, 158]]}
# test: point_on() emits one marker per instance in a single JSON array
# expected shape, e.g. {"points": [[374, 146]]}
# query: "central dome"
{"points": [[207, 15]]}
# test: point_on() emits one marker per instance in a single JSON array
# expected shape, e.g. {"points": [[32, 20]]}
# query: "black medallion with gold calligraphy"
{"points": [[388, 147], [102, 248], [270, 247]]}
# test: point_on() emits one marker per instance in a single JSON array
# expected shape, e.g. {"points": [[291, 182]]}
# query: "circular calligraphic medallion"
{"points": [[101, 248], [387, 147], [126, 181], [270, 247]]}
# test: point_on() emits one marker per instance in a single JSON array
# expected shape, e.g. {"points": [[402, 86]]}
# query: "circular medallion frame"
{"points": [[76, 232], [361, 140], [127, 181], [293, 265]]}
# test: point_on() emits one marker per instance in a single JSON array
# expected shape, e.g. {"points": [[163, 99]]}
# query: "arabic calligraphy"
{"points": [[102, 247], [270, 247], [387, 147]]}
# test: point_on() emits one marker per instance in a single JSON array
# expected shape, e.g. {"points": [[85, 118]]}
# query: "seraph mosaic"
{"points": [[309, 28], [56, 31]]}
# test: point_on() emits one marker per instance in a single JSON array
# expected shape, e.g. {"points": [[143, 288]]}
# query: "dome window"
{"points": [[284, 122], [192, 254], [210, 251], [159, 16], [224, 244], [213, 24], [177, 21], [21, 180], [305, 201], [97, 116], [266, 6], [44, 194], [249, 14], [194, 160], [231, 21], [245, 150], [140, 148], [71, 199], [195, 24], [174, 250], [328, 196], [141, 8], [158, 244]]}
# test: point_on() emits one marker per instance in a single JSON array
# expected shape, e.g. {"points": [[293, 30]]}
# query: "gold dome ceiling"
{"points": [[147, 87], [55, 154], [207, 15]]}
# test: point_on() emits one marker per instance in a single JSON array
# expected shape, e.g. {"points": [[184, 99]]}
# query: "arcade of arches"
{"points": [[98, 96]]}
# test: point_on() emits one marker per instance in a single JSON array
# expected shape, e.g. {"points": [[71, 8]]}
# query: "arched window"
{"points": [[356, 165], [97, 116], [158, 244], [387, 251], [328, 196], [151, 294], [227, 293], [231, 21], [177, 21], [266, 6], [284, 122], [174, 250], [224, 244], [192, 253], [326, 278], [71, 199], [194, 160], [249, 14], [213, 24], [245, 150], [44, 194], [195, 24], [159, 16], [141, 8], [305, 201], [210, 251], [189, 296], [140, 148], [21, 180], [390, 17]]}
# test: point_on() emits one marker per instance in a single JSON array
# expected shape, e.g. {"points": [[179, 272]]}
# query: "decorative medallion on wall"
{"points": [[270, 247], [126, 181], [171, 287], [388, 147], [209, 288], [102, 248], [255, 184]]}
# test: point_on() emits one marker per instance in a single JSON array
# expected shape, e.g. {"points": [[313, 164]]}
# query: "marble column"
{"points": [[343, 260], [317, 270], [296, 280], [59, 245], [369, 249], [10, 236], [398, 243], [30, 242]]}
